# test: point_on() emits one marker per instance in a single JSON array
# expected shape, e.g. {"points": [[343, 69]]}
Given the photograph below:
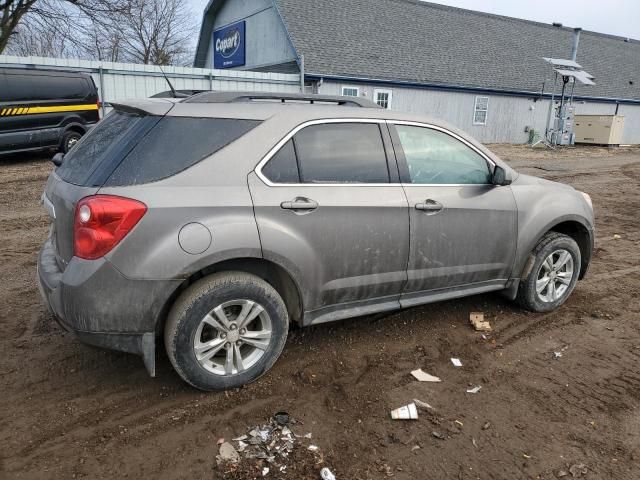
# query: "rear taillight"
{"points": [[101, 221]]}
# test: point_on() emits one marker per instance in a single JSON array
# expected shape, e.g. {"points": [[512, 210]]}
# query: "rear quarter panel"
{"points": [[214, 193]]}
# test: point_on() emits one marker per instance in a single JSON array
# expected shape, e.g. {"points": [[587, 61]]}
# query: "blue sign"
{"points": [[229, 46]]}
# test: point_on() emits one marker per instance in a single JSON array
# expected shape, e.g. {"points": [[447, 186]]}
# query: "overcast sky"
{"points": [[617, 17]]}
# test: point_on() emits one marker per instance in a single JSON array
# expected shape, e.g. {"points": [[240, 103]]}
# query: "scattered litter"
{"points": [[424, 376], [486, 426], [438, 435], [473, 440], [617, 237], [227, 454], [270, 446], [459, 423], [456, 362], [526, 456], [422, 405], [408, 412], [562, 473], [474, 389], [578, 470], [478, 322], [327, 474], [557, 354], [220, 441], [415, 447], [282, 418]]}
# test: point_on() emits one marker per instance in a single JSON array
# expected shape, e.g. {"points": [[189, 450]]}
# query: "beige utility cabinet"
{"points": [[599, 129]]}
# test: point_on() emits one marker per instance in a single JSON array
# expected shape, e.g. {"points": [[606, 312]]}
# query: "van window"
{"points": [[175, 144], [341, 153], [22, 87]]}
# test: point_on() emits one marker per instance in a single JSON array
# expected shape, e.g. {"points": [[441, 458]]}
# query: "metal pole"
{"points": [[576, 41], [211, 81], [302, 73], [553, 93], [102, 101]]}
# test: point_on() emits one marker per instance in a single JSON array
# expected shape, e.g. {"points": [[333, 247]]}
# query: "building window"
{"points": [[350, 91], [382, 97], [480, 111]]}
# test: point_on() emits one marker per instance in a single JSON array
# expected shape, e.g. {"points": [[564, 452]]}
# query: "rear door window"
{"points": [[175, 144], [341, 153]]}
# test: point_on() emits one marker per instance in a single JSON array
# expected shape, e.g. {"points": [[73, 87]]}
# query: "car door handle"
{"points": [[300, 203], [429, 206]]}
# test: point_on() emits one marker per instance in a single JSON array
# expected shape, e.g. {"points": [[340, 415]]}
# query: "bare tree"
{"points": [[158, 32], [12, 12]]}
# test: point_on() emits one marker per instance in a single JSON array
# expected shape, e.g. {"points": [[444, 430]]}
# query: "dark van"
{"points": [[42, 109]]}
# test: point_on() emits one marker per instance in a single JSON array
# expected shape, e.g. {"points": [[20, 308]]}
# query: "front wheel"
{"points": [[226, 330], [554, 274]]}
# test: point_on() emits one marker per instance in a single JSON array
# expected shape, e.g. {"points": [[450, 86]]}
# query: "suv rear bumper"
{"points": [[92, 299]]}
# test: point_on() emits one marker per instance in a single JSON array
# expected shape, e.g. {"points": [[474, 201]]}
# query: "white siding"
{"points": [[507, 116]]}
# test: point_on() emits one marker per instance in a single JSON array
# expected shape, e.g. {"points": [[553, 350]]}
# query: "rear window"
{"points": [[175, 144], [96, 147]]}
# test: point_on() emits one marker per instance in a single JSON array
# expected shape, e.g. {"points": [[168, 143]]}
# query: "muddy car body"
{"points": [[217, 220]]}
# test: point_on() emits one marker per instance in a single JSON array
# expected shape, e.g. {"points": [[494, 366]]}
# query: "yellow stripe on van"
{"points": [[35, 110], [61, 108]]}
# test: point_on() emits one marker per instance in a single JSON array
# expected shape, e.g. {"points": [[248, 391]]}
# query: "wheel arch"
{"points": [[276, 275], [71, 127], [573, 226]]}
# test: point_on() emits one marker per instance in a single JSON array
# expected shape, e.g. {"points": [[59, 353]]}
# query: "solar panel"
{"points": [[580, 75], [559, 62]]}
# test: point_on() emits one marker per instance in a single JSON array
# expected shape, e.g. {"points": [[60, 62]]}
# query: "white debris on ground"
{"points": [[272, 444]]}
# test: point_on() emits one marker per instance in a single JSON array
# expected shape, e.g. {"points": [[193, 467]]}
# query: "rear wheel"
{"points": [[226, 330], [554, 273], [69, 140]]}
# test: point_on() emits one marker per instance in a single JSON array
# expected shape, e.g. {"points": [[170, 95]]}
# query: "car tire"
{"points": [[549, 284], [206, 320], [69, 139]]}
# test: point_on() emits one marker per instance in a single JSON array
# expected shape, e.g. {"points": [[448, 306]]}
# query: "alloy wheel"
{"points": [[554, 276], [232, 337]]}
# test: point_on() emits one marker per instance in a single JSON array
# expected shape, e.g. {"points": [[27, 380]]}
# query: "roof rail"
{"points": [[237, 97]]}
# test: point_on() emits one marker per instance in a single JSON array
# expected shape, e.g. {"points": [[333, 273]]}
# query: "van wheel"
{"points": [[554, 273], [226, 330], [69, 140]]}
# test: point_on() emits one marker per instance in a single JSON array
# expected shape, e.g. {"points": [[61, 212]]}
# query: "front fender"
{"points": [[543, 205]]}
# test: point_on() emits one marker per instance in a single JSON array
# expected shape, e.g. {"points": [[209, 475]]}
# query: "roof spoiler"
{"points": [[239, 97], [144, 107]]}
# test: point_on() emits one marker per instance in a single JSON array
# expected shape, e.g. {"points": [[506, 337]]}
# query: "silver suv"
{"points": [[217, 220]]}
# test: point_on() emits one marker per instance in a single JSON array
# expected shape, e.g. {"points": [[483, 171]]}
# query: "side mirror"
{"points": [[57, 159], [500, 176]]}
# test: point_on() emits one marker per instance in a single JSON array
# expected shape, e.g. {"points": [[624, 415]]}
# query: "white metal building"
{"points": [[481, 72]]}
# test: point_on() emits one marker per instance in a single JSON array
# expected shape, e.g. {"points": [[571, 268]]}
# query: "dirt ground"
{"points": [[72, 411]]}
